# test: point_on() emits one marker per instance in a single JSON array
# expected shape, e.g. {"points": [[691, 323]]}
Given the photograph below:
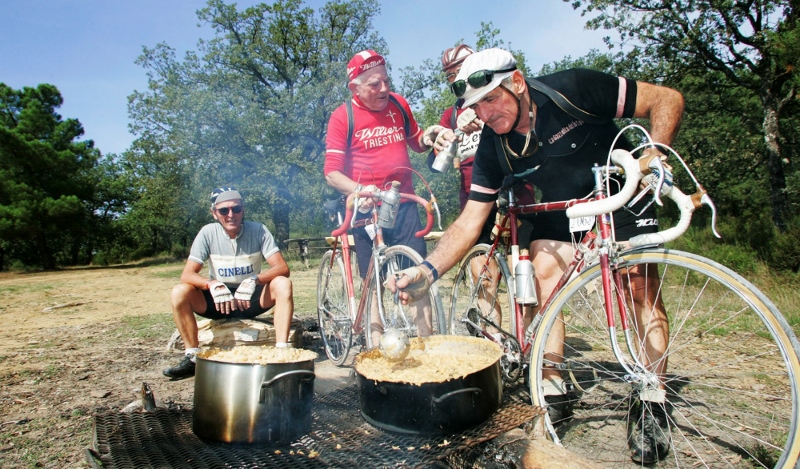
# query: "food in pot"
{"points": [[433, 359], [260, 355]]}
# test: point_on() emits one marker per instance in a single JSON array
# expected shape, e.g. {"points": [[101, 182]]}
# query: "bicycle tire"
{"points": [[335, 326], [397, 316], [731, 379]]}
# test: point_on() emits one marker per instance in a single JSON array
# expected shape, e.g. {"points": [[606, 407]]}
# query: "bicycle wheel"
{"points": [[731, 370], [480, 293], [332, 311], [421, 318]]}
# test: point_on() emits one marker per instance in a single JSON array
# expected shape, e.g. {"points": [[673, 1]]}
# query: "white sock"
{"points": [[554, 387], [282, 345], [192, 352], [654, 395]]}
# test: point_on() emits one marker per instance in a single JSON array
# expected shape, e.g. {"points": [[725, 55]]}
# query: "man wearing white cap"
{"points": [[238, 286], [367, 142], [526, 130]]}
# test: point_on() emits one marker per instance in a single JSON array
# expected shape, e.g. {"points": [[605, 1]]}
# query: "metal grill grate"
{"points": [[339, 437]]}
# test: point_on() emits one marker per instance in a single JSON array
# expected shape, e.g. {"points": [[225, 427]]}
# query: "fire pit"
{"points": [[339, 437]]}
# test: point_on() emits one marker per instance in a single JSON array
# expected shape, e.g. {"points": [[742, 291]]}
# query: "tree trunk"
{"points": [[45, 255], [75, 252], [777, 177], [280, 218], [153, 241]]}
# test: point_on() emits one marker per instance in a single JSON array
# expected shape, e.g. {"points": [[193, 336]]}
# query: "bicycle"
{"points": [[732, 392], [339, 317]]}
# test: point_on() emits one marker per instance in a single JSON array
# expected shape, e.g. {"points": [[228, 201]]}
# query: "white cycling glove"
{"points": [[220, 292], [468, 121], [442, 140], [245, 290], [365, 203], [419, 282], [430, 134]]}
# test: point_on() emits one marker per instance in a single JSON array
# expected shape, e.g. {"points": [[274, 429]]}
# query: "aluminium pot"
{"points": [[434, 407], [252, 403]]}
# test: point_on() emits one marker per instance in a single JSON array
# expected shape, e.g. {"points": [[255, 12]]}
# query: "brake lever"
{"points": [[355, 211], [658, 165], [438, 215], [706, 200]]}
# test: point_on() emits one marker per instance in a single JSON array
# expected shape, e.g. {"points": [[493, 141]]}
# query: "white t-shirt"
{"points": [[231, 261]]}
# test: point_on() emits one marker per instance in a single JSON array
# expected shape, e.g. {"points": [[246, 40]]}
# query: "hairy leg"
{"points": [[186, 299]]}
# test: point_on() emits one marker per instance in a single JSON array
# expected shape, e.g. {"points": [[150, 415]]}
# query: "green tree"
{"points": [[250, 108], [46, 177], [751, 45], [164, 212]]}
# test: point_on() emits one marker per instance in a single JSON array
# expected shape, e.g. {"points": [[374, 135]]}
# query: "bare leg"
{"points": [[550, 260], [186, 299], [375, 324], [649, 316], [421, 313], [279, 293]]}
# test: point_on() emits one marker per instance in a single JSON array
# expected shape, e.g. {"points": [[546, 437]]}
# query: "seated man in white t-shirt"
{"points": [[238, 287]]}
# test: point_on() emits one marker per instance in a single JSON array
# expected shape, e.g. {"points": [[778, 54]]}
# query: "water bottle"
{"points": [[524, 280], [390, 205], [444, 159]]}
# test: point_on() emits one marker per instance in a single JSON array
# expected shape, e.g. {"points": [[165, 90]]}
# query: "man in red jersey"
{"points": [[366, 144]]}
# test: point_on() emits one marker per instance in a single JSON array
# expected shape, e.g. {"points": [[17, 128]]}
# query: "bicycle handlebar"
{"points": [[634, 171], [633, 174], [375, 194]]}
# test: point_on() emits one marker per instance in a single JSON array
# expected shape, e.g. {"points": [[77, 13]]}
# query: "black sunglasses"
{"points": [[477, 79], [235, 209]]}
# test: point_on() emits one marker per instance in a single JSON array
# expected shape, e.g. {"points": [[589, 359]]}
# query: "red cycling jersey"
{"points": [[378, 146]]}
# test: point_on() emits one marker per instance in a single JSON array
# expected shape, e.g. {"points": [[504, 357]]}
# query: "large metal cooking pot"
{"points": [[252, 403], [436, 406]]}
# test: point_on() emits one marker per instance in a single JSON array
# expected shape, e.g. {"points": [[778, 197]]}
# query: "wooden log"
{"points": [[541, 453], [544, 454]]}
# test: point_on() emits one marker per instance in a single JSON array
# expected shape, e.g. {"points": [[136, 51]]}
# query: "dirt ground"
{"points": [[77, 343]]}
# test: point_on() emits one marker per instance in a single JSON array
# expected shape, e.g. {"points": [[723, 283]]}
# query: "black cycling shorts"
{"points": [[254, 310], [555, 225]]}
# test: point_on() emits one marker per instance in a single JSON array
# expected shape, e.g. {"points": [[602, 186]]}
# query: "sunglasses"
{"points": [[235, 209], [477, 79]]}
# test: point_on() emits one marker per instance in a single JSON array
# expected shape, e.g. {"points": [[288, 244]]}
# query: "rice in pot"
{"points": [[434, 359], [257, 355]]}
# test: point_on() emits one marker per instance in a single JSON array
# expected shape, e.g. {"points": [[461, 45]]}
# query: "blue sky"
{"points": [[87, 48]]}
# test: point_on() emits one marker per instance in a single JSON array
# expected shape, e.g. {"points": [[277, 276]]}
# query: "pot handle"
{"points": [[266, 384], [439, 400]]}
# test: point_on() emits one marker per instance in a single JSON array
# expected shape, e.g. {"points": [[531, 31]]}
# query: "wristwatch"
{"points": [[254, 278]]}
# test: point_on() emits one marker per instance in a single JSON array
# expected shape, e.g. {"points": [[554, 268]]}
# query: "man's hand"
{"points": [[646, 181], [222, 297], [444, 139], [468, 122], [244, 293], [430, 134], [413, 284], [365, 203]]}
